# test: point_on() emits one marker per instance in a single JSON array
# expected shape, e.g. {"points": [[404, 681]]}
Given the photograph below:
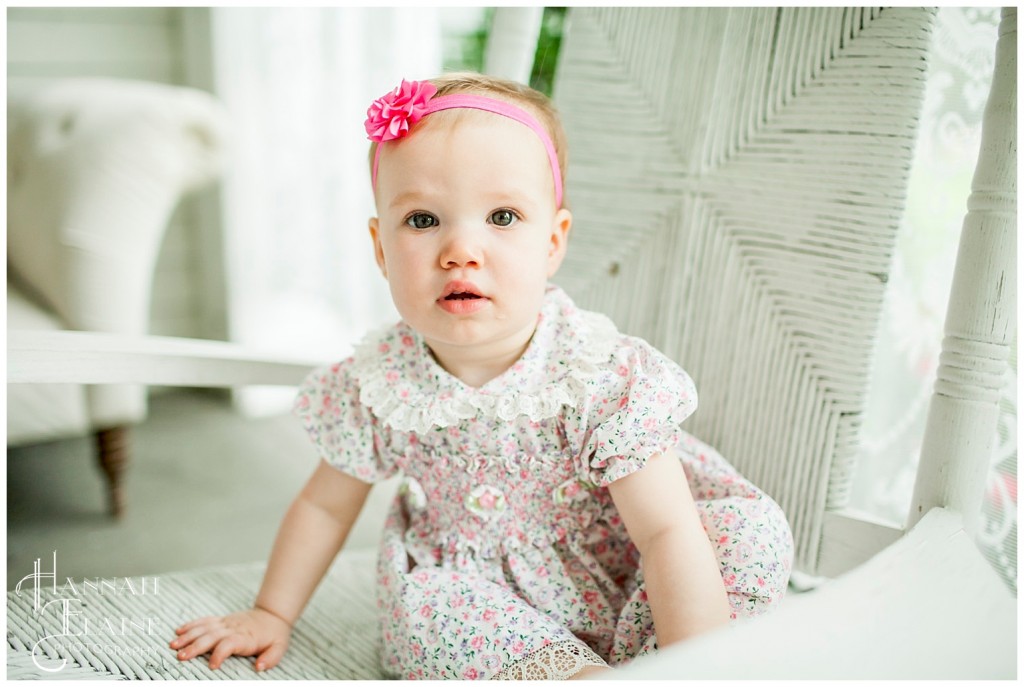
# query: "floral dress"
{"points": [[503, 554]]}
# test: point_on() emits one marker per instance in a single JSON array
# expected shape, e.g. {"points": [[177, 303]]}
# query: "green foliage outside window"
{"points": [[546, 58], [469, 56]]}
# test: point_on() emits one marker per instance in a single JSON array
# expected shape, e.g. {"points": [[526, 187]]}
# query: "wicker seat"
{"points": [[336, 638]]}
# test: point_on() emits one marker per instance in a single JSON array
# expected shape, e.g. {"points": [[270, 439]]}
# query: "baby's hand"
{"points": [[246, 633]]}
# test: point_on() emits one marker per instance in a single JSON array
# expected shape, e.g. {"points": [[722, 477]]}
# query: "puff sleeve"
{"points": [[631, 412], [343, 429]]}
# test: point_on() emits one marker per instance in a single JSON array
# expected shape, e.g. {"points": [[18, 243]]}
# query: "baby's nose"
{"points": [[462, 249]]}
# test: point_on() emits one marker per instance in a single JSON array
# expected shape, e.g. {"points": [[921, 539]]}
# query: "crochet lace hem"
{"points": [[557, 661]]}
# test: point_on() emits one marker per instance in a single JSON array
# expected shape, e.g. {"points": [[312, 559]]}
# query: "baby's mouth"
{"points": [[461, 297], [460, 290]]}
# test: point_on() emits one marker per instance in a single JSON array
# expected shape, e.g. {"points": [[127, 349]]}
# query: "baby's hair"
{"points": [[513, 92]]}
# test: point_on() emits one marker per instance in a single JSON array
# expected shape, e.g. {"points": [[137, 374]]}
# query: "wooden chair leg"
{"points": [[113, 459]]}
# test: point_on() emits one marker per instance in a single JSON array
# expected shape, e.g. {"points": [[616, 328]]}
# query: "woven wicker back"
{"points": [[737, 178]]}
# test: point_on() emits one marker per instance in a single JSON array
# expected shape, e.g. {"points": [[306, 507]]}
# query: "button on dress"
{"points": [[503, 546]]}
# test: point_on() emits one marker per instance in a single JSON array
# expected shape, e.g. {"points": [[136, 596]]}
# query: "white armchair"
{"points": [[95, 168]]}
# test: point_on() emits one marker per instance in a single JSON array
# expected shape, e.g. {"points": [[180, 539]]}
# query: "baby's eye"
{"points": [[421, 220], [503, 218]]}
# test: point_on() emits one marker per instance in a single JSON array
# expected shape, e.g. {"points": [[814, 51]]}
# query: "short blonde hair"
{"points": [[513, 92]]}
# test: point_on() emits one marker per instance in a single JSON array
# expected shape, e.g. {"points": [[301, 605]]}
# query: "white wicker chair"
{"points": [[759, 190], [737, 179]]}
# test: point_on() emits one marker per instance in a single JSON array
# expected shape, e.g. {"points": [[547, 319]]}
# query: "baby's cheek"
{"points": [[404, 289]]}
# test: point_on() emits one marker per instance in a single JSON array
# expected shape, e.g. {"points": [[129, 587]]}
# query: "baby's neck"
{"points": [[476, 365]]}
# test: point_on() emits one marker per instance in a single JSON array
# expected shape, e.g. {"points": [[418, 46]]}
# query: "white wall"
{"points": [[124, 42]]}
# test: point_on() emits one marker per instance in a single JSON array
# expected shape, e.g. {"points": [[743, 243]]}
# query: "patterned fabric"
{"points": [[504, 538]]}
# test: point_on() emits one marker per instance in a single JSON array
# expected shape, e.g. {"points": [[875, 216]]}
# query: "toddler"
{"points": [[553, 518]]}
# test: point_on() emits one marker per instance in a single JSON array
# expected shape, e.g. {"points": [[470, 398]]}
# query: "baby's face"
{"points": [[467, 232]]}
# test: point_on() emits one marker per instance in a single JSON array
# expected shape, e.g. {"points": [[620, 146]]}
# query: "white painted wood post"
{"points": [[981, 317], [512, 42]]}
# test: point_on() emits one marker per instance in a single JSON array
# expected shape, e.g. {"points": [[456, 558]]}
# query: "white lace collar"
{"points": [[407, 389]]}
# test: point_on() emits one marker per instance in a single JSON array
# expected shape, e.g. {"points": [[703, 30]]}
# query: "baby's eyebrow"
{"points": [[406, 197], [514, 196], [507, 196]]}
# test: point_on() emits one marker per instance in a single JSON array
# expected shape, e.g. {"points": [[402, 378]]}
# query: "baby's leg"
{"points": [[751, 536], [754, 547], [439, 623], [442, 624]]}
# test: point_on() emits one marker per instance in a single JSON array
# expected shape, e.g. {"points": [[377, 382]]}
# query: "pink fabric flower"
{"points": [[568, 491], [485, 501], [391, 115]]}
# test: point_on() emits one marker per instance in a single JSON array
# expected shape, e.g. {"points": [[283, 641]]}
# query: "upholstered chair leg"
{"points": [[113, 459]]}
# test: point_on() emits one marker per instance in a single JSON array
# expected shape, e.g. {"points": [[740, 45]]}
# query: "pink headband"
{"points": [[391, 116]]}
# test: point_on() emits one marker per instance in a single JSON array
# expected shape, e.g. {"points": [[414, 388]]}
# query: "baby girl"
{"points": [[553, 519]]}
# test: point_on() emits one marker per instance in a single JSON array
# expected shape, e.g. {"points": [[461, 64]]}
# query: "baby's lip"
{"points": [[460, 288]]}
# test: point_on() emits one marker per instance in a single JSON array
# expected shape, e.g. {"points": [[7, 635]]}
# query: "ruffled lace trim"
{"points": [[413, 400], [556, 661]]}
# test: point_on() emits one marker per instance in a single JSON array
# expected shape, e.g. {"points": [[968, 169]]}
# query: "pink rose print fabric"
{"points": [[503, 539]]}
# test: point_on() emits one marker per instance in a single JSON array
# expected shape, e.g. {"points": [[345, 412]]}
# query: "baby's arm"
{"points": [[312, 533], [684, 586]]}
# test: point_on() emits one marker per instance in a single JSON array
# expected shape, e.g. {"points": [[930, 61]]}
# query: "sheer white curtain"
{"points": [[959, 77], [298, 260]]}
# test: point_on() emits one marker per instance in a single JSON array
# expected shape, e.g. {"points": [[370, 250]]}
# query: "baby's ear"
{"points": [[559, 240], [378, 250]]}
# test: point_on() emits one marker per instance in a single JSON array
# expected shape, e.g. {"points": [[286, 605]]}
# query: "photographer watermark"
{"points": [[63, 603]]}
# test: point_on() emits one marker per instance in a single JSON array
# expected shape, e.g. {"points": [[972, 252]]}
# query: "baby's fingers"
{"points": [[271, 657], [190, 635], [202, 644], [234, 644], [193, 623]]}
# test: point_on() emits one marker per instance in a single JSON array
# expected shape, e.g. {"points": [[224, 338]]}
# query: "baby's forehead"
{"points": [[456, 118], [451, 163], [470, 132], [466, 148]]}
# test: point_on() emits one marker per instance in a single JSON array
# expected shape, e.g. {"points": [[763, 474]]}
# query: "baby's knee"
{"points": [[754, 547]]}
